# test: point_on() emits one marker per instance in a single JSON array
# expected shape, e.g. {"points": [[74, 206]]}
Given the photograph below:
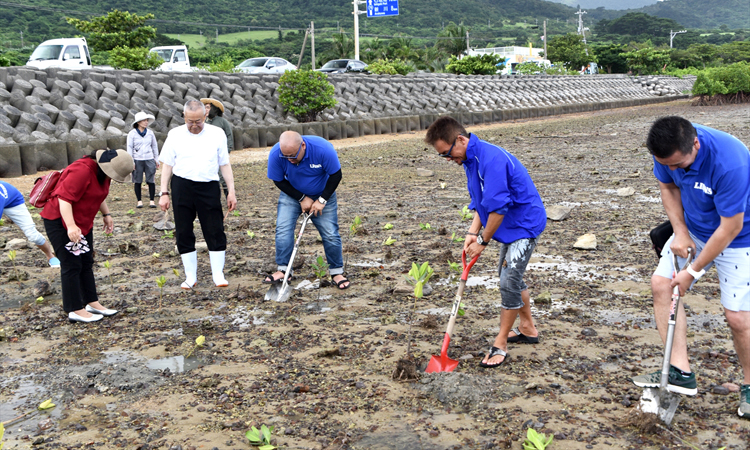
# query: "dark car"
{"points": [[343, 66]]}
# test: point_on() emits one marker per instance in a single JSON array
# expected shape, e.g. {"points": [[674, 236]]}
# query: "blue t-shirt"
{"points": [[499, 183], [716, 185], [9, 196], [311, 174]]}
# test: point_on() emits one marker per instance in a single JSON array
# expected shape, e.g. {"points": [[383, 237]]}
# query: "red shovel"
{"points": [[442, 363]]}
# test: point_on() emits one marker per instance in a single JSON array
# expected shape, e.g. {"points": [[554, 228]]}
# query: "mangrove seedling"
{"points": [[455, 238], [168, 234], [12, 258], [108, 266], [356, 223], [161, 281], [388, 226], [2, 222], [320, 267], [45, 405], [199, 341], [425, 226], [176, 272], [389, 241], [418, 277], [131, 212], [535, 440], [466, 214], [443, 185], [2, 432], [250, 234], [260, 438], [39, 300], [236, 213]]}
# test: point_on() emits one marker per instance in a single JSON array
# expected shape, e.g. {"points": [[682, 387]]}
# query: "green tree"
{"points": [[134, 58], [645, 59], [705, 54], [609, 57], [116, 29], [305, 93], [454, 39], [343, 46], [570, 50], [486, 64]]}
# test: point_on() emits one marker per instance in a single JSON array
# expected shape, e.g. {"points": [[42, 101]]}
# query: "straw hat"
{"points": [[143, 116], [116, 164], [214, 102]]}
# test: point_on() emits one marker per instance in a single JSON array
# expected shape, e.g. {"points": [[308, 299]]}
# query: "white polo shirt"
{"points": [[195, 157]]}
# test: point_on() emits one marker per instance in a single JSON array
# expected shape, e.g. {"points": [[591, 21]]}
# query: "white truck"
{"points": [[175, 58], [68, 53]]}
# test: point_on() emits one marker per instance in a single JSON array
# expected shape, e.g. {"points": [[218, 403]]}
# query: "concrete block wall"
{"points": [[49, 118]]}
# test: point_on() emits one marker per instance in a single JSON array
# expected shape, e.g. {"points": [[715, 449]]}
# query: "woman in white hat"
{"points": [[142, 147], [69, 217]]}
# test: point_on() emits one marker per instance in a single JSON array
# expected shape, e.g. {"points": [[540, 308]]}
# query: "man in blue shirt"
{"points": [[307, 171], [704, 178], [508, 206], [12, 205]]}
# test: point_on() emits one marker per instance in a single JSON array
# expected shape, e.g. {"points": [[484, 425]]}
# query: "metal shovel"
{"points": [[281, 293], [660, 401], [442, 363]]}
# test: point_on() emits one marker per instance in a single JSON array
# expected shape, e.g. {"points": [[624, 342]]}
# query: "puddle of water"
{"points": [[26, 398], [176, 364]]}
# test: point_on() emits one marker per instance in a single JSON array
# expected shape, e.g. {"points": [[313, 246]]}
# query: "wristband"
{"points": [[472, 234], [303, 197], [694, 273], [105, 215], [161, 194]]}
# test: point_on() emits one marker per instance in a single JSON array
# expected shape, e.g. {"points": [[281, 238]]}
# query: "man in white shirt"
{"points": [[191, 158]]}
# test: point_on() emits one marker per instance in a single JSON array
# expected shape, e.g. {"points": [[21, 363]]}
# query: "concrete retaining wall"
{"points": [[49, 118]]}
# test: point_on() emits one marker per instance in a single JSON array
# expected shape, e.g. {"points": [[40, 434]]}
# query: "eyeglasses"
{"points": [[282, 155], [448, 155]]}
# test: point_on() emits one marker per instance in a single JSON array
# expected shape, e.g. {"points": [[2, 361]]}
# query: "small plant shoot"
{"points": [[161, 281], [389, 241], [535, 440], [425, 226], [466, 214], [108, 266], [199, 341], [320, 267], [45, 405], [356, 223], [260, 438], [131, 212], [388, 226], [168, 234], [455, 238], [12, 258], [250, 234], [418, 277]]}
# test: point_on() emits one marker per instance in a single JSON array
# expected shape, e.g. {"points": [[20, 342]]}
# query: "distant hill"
{"points": [[608, 4], [702, 13]]}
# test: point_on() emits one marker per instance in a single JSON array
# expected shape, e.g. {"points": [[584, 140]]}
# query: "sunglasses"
{"points": [[282, 155], [448, 155]]}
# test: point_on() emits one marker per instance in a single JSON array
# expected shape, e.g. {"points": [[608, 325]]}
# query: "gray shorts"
{"points": [[146, 166], [516, 256]]}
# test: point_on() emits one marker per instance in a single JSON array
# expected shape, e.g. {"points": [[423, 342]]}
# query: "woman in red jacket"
{"points": [[69, 221]]}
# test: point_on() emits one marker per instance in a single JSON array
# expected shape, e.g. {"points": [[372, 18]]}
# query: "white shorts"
{"points": [[733, 266]]}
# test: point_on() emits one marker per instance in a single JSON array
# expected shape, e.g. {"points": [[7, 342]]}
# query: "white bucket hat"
{"points": [[116, 164], [143, 116]]}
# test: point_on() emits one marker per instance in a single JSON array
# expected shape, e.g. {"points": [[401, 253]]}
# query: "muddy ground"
{"points": [[319, 367]]}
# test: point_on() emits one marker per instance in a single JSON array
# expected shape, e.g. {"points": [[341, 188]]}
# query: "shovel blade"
{"points": [[284, 294], [660, 402], [441, 364], [273, 292]]}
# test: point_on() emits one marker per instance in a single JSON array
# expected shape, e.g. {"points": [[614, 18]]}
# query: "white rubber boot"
{"points": [[217, 268], [190, 264]]}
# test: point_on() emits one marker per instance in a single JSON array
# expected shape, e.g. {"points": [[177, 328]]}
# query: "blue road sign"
{"points": [[380, 8]]}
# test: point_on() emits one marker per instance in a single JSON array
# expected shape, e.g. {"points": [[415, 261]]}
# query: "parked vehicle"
{"points": [[343, 66], [68, 53], [265, 65], [175, 58]]}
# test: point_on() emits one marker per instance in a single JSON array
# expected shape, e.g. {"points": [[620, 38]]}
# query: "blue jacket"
{"points": [[499, 183]]}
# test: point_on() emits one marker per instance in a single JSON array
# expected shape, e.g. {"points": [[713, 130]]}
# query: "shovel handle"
{"points": [[467, 268], [447, 339]]}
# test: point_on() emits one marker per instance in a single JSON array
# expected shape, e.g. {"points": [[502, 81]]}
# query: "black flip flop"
{"points": [[521, 338], [340, 282], [269, 279], [494, 351]]}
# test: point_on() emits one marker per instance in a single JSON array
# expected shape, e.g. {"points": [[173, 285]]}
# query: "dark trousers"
{"points": [[204, 199], [76, 272]]}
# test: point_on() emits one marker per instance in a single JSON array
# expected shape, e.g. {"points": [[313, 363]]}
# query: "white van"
{"points": [[70, 53], [175, 58]]}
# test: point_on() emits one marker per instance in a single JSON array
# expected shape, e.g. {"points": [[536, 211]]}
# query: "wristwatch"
{"points": [[322, 201], [163, 193], [695, 274], [481, 241]]}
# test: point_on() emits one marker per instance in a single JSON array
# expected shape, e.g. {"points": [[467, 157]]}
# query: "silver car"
{"points": [[265, 65]]}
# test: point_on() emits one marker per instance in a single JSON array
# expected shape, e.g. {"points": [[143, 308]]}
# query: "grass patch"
{"points": [[196, 40]]}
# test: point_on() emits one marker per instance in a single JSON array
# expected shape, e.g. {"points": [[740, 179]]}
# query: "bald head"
{"points": [[289, 142]]}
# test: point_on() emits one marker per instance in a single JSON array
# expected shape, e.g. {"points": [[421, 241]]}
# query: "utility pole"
{"points": [[672, 34], [467, 43], [581, 29], [22, 39], [356, 13], [312, 42], [546, 56], [302, 52]]}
